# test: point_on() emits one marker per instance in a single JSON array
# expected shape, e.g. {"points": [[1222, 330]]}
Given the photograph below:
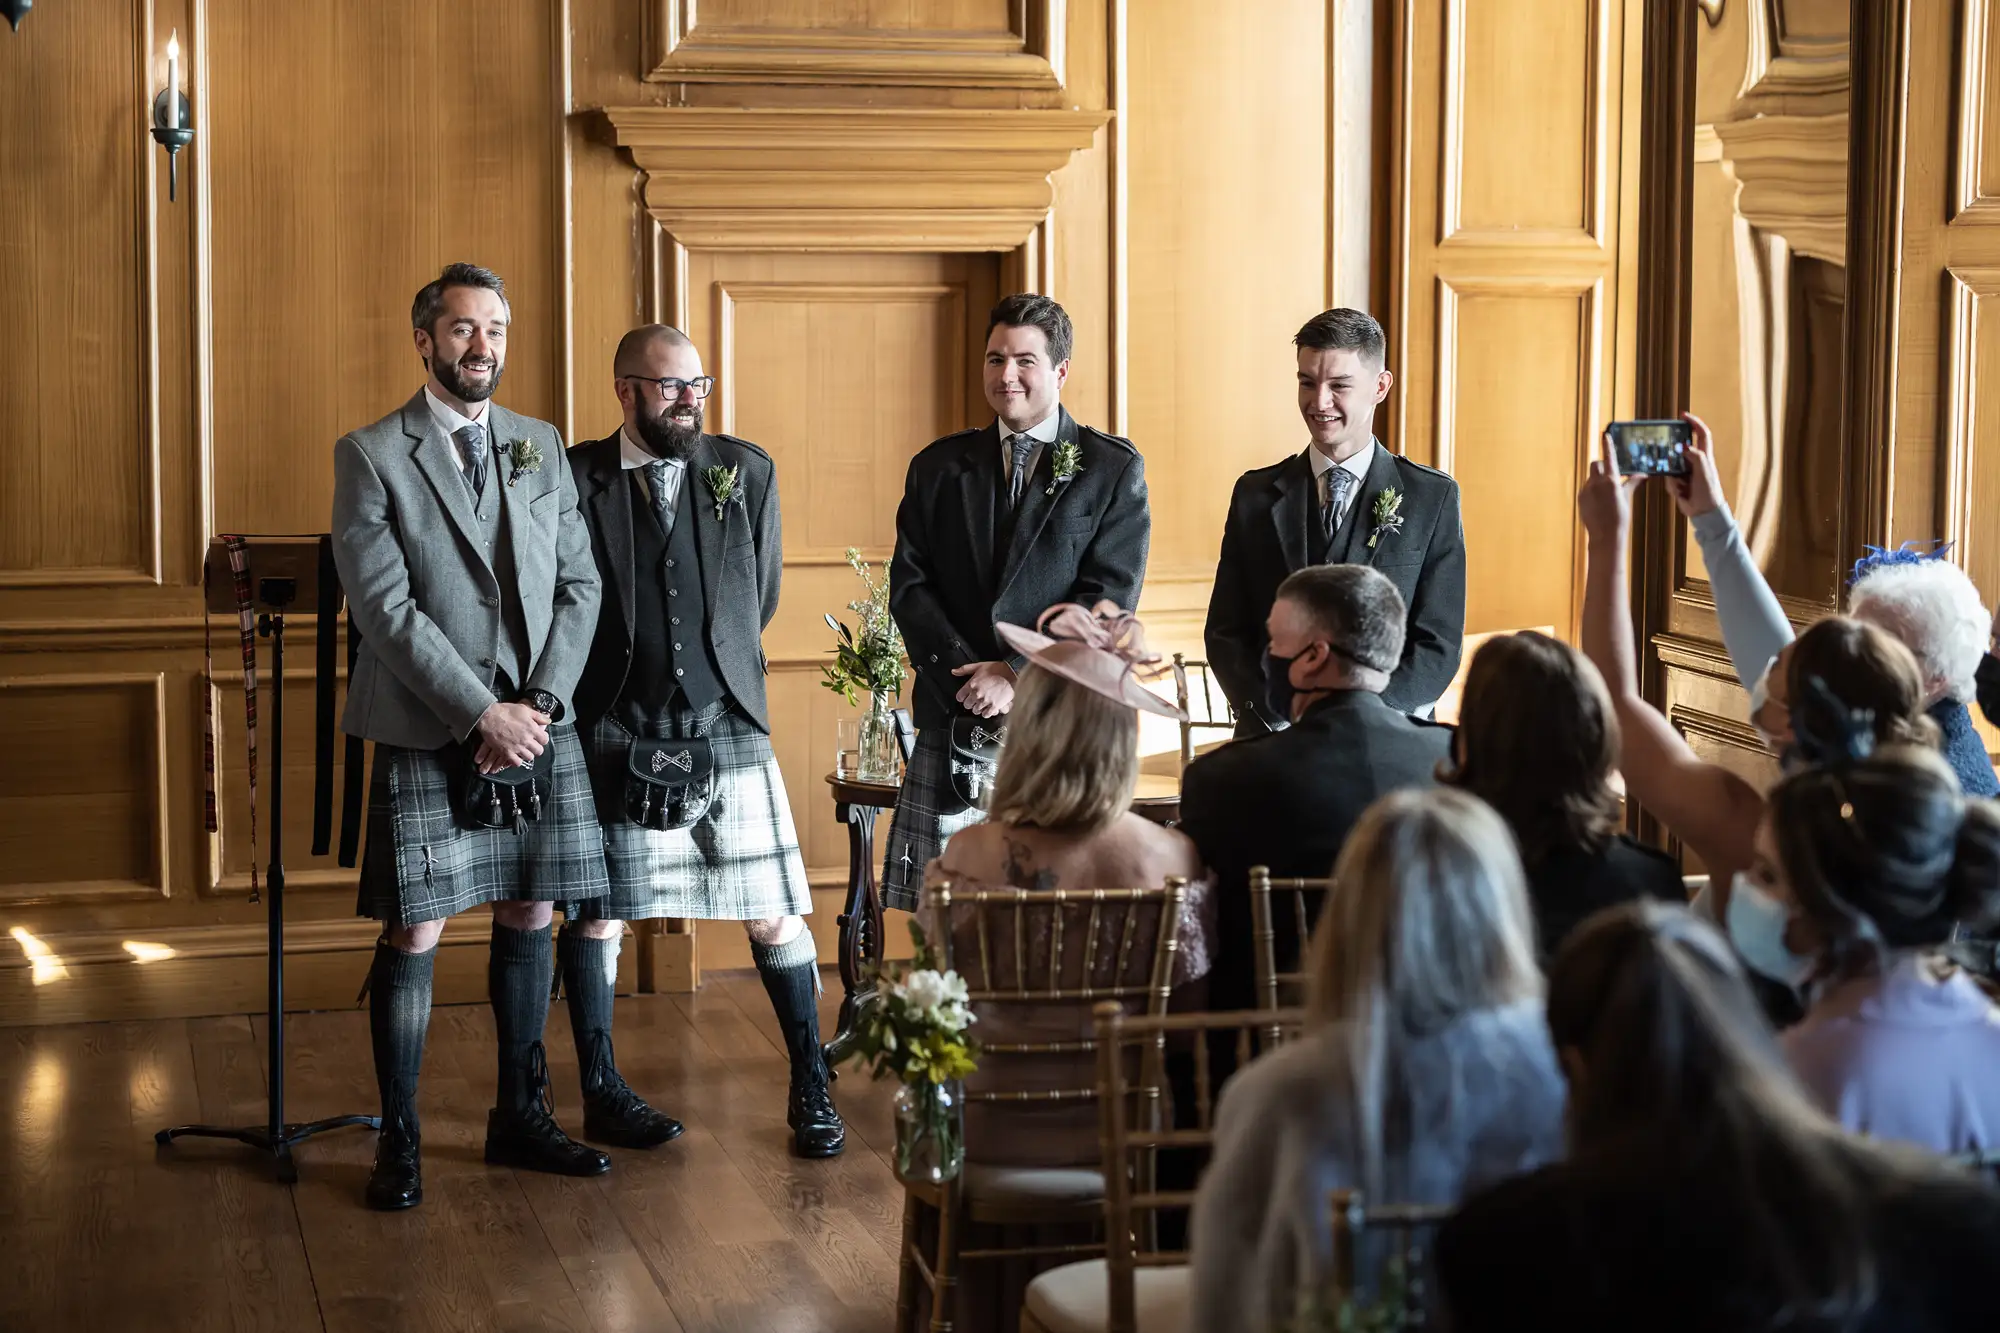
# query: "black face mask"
{"points": [[1278, 691], [1987, 679]]}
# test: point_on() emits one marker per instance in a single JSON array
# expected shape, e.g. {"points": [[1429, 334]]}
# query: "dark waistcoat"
{"points": [[669, 613]]}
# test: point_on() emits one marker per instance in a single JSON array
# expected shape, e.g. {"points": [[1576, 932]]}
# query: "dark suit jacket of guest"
{"points": [[742, 560], [1287, 800], [1267, 536], [1566, 886], [950, 581]]}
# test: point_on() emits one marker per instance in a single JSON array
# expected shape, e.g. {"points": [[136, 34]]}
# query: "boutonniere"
{"points": [[1068, 462], [722, 486], [1388, 515], [527, 458]]}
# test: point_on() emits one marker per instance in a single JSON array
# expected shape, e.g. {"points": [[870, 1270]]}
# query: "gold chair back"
{"points": [[1296, 900], [1203, 705], [1137, 1123]]}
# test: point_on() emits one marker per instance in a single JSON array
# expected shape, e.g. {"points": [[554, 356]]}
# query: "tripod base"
{"points": [[280, 1147]]}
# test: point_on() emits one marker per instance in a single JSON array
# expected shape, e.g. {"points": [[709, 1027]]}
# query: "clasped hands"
{"points": [[509, 735], [989, 688]]}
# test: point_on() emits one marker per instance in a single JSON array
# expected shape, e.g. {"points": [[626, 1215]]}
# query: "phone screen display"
{"points": [[1651, 448]]}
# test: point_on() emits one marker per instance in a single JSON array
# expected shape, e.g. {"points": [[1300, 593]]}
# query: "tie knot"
{"points": [[472, 436], [1339, 483], [1023, 445]]}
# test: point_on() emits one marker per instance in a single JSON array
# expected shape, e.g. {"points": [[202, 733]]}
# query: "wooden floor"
{"points": [[720, 1230]]}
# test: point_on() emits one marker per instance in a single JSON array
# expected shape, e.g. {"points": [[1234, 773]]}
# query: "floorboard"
{"points": [[718, 1232]]}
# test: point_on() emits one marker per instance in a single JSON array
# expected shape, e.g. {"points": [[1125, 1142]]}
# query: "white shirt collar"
{"points": [[1357, 464], [1043, 431], [631, 455], [449, 419]]}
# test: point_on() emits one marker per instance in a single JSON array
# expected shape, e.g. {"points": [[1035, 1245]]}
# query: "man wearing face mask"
{"points": [[1287, 800], [1345, 500]]}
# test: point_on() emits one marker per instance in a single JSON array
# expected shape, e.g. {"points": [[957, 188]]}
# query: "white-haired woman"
{"points": [[1926, 602], [1427, 1072]]}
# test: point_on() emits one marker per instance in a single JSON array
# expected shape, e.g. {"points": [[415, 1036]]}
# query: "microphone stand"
{"points": [[275, 1136]]}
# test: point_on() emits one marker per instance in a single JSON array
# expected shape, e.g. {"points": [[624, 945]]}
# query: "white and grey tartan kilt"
{"points": [[927, 814], [739, 862], [422, 865]]}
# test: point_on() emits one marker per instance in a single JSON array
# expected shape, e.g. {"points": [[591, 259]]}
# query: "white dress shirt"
{"points": [[1043, 432], [451, 421], [1357, 466], [631, 456]]}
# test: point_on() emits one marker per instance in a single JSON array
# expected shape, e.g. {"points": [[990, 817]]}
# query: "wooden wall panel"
{"points": [[228, 851], [963, 43], [83, 821], [77, 426], [437, 146]]}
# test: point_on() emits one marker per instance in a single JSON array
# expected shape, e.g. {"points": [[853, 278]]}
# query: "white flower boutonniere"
{"points": [[1388, 515], [1068, 461], [722, 487], [527, 458]]}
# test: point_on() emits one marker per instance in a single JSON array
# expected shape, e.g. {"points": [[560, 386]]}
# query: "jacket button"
{"points": [[673, 592], [492, 601], [676, 620], [933, 657], [670, 564], [486, 661], [677, 648], [679, 672]]}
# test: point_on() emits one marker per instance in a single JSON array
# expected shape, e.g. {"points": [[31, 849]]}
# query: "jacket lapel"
{"points": [[610, 503], [1036, 503], [433, 454], [1383, 475], [712, 534], [502, 429], [1293, 510], [979, 491]]}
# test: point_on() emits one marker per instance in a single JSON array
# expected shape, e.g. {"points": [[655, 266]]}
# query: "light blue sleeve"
{"points": [[1754, 626]]}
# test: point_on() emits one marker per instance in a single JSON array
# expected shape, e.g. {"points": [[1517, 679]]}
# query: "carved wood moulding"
{"points": [[909, 179]]}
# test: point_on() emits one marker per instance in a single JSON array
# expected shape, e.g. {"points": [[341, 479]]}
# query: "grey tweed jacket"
{"points": [[427, 603]]}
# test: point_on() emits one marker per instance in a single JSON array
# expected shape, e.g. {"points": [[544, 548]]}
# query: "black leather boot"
{"points": [[612, 1112], [791, 978], [817, 1129], [397, 1179], [522, 1132]]}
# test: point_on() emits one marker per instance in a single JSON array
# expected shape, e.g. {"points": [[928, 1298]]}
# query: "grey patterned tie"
{"points": [[1340, 485], [1023, 446], [472, 440], [656, 479]]}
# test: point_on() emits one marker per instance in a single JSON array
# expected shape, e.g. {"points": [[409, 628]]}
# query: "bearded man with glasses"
{"points": [[684, 525]]}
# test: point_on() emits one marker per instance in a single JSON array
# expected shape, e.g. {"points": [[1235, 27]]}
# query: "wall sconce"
{"points": [[15, 11], [173, 117]]}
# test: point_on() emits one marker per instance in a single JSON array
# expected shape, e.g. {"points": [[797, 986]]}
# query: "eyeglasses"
{"points": [[670, 387]]}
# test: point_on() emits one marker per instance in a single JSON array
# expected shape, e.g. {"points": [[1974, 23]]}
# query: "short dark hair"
{"points": [[1026, 308], [1538, 741], [1345, 331], [424, 311], [1357, 608], [639, 341]]}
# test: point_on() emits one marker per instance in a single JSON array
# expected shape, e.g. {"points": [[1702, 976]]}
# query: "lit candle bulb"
{"points": [[174, 80]]}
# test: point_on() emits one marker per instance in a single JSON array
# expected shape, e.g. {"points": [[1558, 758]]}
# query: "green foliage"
{"points": [[915, 1029], [1395, 1308], [870, 662]]}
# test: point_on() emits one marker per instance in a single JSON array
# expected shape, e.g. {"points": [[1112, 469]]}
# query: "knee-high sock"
{"points": [[517, 981], [589, 973], [399, 1016], [790, 972]]}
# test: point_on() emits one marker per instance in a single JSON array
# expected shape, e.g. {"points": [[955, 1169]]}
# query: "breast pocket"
{"points": [[546, 508], [1075, 527]]}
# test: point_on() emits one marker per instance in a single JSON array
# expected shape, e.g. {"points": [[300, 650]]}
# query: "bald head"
{"points": [[641, 348]]}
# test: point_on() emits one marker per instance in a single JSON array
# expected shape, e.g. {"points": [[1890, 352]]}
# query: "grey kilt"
{"points": [[921, 824], [422, 865], [739, 862]]}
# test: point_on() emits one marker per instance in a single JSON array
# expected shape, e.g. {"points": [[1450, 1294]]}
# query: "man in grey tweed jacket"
{"points": [[469, 578]]}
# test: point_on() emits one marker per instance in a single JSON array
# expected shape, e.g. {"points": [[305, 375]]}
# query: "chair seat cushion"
{"points": [[1036, 1186], [1076, 1298]]}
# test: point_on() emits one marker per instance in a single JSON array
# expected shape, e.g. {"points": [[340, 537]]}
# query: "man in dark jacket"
{"points": [[1345, 500], [999, 524], [1287, 800]]}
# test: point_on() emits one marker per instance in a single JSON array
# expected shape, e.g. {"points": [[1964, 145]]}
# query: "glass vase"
{"points": [[881, 758], [930, 1131]]}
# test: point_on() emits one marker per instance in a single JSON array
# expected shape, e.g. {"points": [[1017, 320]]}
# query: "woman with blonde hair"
{"points": [[1426, 1073]]}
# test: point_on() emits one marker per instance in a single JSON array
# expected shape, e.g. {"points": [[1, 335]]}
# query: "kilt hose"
{"points": [[738, 862], [927, 814], [421, 864]]}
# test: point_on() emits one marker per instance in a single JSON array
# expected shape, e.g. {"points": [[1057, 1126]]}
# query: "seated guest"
{"points": [[1921, 599], [1986, 676], [1864, 868], [1287, 800], [1426, 1072], [1703, 1190], [1538, 741], [1060, 813]]}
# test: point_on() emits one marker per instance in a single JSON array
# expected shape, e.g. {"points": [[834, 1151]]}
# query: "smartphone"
{"points": [[1651, 448]]}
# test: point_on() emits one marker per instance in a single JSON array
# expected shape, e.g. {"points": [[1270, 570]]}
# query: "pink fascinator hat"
{"points": [[1101, 649]]}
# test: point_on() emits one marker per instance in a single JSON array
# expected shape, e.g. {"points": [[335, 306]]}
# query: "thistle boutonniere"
{"points": [[1388, 515], [527, 458], [1068, 462], [722, 487]]}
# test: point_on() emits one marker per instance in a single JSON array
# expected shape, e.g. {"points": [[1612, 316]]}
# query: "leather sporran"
{"points": [[669, 784], [975, 759], [512, 798]]}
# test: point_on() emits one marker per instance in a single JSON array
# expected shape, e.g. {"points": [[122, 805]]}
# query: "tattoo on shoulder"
{"points": [[1020, 870]]}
